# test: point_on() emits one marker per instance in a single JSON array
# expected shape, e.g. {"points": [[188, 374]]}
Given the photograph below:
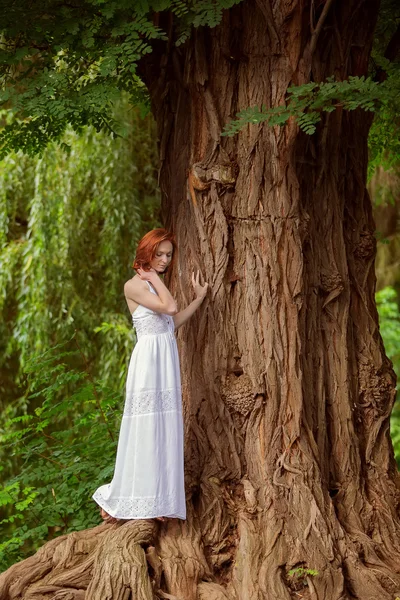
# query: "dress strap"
{"points": [[151, 287]]}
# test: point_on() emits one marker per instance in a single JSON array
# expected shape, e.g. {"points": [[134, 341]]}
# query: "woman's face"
{"points": [[162, 257]]}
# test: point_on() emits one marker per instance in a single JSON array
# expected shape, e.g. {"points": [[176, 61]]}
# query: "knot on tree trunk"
{"points": [[237, 393], [332, 285], [376, 387], [376, 399], [331, 281], [366, 246], [224, 174]]}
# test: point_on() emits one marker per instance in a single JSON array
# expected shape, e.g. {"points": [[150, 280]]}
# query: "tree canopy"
{"points": [[66, 64]]}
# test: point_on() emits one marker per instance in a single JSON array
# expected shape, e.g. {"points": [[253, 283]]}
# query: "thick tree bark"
{"points": [[287, 391]]}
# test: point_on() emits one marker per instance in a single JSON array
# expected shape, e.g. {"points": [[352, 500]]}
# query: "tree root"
{"points": [[143, 560], [105, 562], [132, 560]]}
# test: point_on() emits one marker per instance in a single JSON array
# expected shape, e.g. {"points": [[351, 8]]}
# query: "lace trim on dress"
{"points": [[152, 401], [153, 324], [132, 507]]}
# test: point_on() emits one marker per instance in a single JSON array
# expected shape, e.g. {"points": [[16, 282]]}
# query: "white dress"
{"points": [[148, 478]]}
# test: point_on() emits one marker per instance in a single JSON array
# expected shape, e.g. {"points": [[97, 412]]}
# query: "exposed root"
{"points": [[120, 567], [98, 563]]}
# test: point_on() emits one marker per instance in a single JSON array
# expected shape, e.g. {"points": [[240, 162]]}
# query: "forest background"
{"points": [[69, 223]]}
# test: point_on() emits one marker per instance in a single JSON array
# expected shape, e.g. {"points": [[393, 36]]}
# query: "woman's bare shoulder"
{"points": [[134, 284]]}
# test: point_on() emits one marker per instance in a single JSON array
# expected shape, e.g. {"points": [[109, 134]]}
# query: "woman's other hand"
{"points": [[199, 290], [147, 275]]}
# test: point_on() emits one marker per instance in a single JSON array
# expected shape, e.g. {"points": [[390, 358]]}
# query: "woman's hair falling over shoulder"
{"points": [[148, 245]]}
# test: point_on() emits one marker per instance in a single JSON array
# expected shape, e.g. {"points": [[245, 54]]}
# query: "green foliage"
{"points": [[384, 137], [299, 576], [389, 324], [384, 189], [69, 225], [308, 102], [395, 430], [301, 571], [66, 447], [67, 64], [381, 238], [378, 93]]}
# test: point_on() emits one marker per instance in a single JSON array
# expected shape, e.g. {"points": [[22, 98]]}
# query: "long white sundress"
{"points": [[148, 478]]}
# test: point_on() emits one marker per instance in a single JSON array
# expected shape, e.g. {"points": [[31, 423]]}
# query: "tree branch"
{"points": [[266, 10], [318, 27]]}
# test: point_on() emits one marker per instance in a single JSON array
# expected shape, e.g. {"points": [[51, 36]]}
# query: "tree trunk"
{"points": [[287, 388], [287, 391]]}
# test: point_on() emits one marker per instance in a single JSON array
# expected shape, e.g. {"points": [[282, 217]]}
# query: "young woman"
{"points": [[148, 478]]}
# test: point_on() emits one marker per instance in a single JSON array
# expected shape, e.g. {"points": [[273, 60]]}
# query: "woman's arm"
{"points": [[200, 290], [161, 289], [163, 302]]}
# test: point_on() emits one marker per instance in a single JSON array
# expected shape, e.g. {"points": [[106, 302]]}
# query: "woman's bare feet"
{"points": [[109, 519]]}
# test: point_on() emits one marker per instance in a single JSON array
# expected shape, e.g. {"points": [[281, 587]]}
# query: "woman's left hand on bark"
{"points": [[199, 290]]}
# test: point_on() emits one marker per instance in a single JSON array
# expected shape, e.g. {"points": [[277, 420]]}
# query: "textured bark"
{"points": [[287, 391], [104, 563], [287, 388]]}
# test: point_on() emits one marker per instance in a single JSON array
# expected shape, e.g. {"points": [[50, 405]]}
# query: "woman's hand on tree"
{"points": [[199, 290]]}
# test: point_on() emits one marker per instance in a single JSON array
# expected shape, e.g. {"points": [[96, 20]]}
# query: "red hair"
{"points": [[148, 245]]}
